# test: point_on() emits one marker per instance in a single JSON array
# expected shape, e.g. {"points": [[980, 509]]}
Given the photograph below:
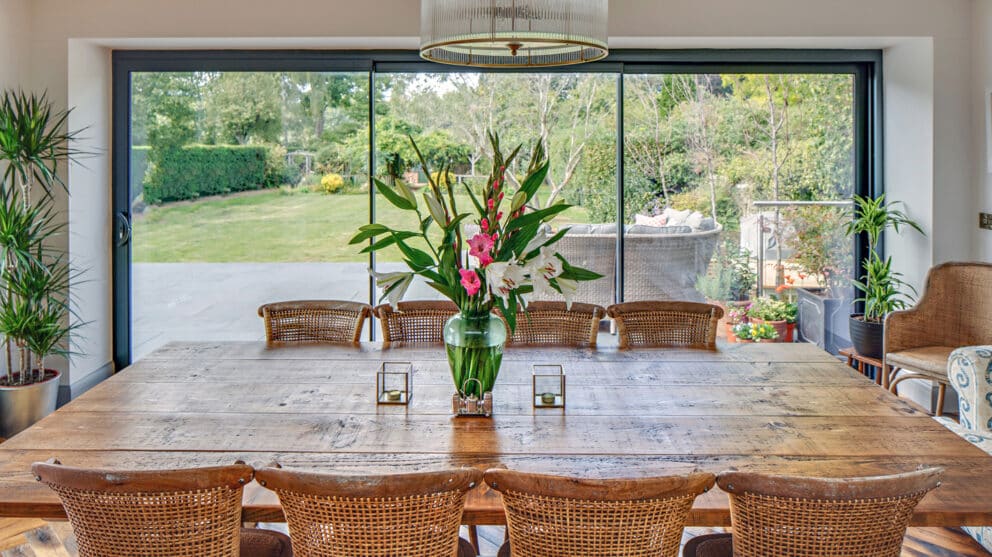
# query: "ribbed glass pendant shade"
{"points": [[513, 33]]}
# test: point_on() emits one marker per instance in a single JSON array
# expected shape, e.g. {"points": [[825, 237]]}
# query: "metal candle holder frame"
{"points": [[382, 395], [537, 397]]}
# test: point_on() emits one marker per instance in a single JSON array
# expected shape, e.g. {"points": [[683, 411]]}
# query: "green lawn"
{"points": [[270, 226]]}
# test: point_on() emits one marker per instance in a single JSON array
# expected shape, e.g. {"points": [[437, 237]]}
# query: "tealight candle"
{"points": [[547, 398], [394, 395]]}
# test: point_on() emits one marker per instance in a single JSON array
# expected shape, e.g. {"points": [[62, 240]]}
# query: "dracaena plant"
{"points": [[508, 258], [880, 286], [35, 314]]}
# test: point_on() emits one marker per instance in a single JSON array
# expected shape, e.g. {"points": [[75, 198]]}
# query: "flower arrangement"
{"points": [[509, 258]]}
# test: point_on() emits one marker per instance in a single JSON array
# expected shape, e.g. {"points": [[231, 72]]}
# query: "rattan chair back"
{"points": [[662, 324], [413, 515], [783, 516], [415, 321], [555, 324], [551, 516], [330, 321], [181, 513]]}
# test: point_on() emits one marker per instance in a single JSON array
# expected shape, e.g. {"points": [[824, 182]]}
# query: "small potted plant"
{"points": [[763, 332], [729, 282], [778, 314], [742, 333], [734, 316], [879, 286], [35, 313]]}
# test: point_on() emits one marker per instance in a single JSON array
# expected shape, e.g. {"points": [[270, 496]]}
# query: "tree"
{"points": [[243, 107]]}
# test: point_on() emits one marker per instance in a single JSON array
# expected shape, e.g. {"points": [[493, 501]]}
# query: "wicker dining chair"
{"points": [[555, 324], [552, 516], [786, 516], [330, 321], [180, 513], [419, 321], [413, 515], [662, 323]]}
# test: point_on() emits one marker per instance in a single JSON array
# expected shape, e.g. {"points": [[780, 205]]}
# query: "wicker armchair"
{"points": [[554, 324], [783, 516], [656, 324], [955, 310], [416, 321], [181, 513], [413, 515], [314, 321], [549, 516]]}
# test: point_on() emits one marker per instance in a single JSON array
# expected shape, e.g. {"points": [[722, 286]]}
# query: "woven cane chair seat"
{"points": [[330, 321], [413, 515], [549, 516], [661, 324]]}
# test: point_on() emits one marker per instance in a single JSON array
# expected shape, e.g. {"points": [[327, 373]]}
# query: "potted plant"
{"points": [[734, 316], [771, 312], [35, 314], [822, 251], [755, 332], [879, 286]]}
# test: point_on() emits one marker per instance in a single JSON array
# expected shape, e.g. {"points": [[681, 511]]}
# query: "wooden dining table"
{"points": [[780, 408]]}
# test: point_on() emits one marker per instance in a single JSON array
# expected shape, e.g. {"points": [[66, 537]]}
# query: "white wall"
{"points": [[927, 43], [981, 91], [14, 24]]}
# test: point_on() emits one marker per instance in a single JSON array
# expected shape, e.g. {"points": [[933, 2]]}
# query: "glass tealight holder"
{"points": [[394, 383], [549, 386]]}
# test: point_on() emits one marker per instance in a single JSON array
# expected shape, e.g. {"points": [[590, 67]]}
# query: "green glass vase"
{"points": [[474, 344]]}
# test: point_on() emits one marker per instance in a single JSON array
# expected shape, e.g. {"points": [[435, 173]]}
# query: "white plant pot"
{"points": [[21, 407]]}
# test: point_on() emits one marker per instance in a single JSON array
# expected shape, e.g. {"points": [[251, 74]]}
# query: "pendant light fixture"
{"points": [[513, 33]]}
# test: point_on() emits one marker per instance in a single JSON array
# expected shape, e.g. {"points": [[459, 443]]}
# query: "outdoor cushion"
{"points": [[651, 220], [578, 228], [929, 360], [676, 218], [610, 228], [695, 220], [707, 224]]}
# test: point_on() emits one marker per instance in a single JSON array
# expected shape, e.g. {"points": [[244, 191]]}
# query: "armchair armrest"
{"points": [[970, 372]]}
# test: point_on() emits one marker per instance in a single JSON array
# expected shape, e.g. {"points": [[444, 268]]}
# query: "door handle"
{"points": [[122, 232]]}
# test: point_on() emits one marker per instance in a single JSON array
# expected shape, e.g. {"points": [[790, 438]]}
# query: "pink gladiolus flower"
{"points": [[491, 203], [484, 225], [500, 198], [479, 247], [471, 282], [499, 215]]}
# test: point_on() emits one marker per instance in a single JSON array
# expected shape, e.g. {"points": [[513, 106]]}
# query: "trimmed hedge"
{"points": [[200, 170]]}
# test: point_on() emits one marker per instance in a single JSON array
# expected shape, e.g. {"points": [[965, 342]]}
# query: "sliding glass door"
{"points": [[240, 176]]}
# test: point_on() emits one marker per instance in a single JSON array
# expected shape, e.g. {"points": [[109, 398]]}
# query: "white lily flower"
{"points": [[386, 281], [546, 265], [504, 277], [568, 289]]}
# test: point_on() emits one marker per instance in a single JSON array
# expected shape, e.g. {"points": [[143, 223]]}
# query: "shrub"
{"points": [[276, 169], [331, 183], [139, 167], [199, 170]]}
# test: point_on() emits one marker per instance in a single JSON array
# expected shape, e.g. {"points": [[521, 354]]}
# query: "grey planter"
{"points": [[823, 321], [21, 407]]}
